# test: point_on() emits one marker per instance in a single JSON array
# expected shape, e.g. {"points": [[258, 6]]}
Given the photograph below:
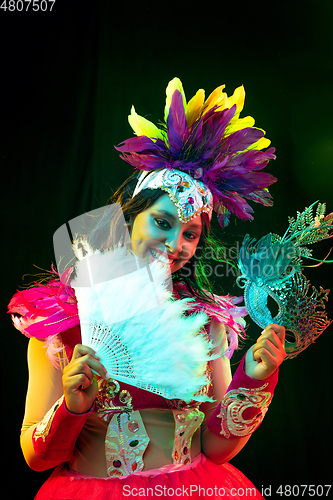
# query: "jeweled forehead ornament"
{"points": [[271, 267], [205, 142], [190, 196]]}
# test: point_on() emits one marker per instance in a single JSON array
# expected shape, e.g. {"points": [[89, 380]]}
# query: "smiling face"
{"points": [[157, 233]]}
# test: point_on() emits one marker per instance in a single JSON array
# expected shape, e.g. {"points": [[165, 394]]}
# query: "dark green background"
{"points": [[68, 80]]}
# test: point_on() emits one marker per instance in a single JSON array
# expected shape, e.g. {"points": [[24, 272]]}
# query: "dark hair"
{"points": [[110, 231]]}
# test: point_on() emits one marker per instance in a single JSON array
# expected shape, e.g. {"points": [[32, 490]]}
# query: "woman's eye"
{"points": [[189, 235], [163, 224]]}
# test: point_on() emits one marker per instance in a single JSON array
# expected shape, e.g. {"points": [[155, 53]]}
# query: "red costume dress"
{"points": [[132, 442]]}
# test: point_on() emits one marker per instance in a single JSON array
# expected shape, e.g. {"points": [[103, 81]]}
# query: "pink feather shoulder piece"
{"points": [[225, 310], [45, 310]]}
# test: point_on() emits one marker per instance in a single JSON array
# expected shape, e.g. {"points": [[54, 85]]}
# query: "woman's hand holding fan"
{"points": [[79, 380]]}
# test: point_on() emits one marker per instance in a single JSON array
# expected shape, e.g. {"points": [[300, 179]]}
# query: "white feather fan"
{"points": [[143, 338]]}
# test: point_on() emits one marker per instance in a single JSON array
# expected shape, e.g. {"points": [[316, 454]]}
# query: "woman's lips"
{"points": [[162, 257]]}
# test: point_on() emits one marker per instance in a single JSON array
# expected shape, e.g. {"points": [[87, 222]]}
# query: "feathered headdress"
{"points": [[209, 141]]}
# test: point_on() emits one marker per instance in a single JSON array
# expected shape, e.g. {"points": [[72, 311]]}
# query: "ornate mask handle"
{"points": [[271, 267]]}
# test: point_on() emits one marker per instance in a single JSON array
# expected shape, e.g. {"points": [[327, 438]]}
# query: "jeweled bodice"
{"points": [[126, 437]]}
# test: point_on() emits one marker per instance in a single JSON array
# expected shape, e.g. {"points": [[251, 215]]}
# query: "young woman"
{"points": [[108, 439]]}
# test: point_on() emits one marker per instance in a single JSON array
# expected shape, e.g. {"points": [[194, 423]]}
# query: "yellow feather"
{"points": [[142, 126], [216, 98], [237, 98], [175, 84], [239, 124], [194, 107], [261, 144]]}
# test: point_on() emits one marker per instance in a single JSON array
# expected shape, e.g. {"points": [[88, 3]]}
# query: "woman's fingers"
{"points": [[272, 339], [275, 333], [79, 382], [81, 350], [268, 357], [267, 353], [269, 343], [87, 357]]}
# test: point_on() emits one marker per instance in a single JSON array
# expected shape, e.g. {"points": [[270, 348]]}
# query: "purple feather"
{"points": [[261, 179], [213, 131], [263, 197], [176, 123], [242, 139], [223, 216], [253, 159], [144, 162], [238, 206], [137, 144]]}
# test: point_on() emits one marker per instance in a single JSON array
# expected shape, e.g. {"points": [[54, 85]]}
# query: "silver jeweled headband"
{"points": [[190, 196]]}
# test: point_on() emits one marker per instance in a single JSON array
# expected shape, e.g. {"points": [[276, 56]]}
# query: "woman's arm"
{"points": [[217, 448], [47, 442], [260, 364], [221, 375], [44, 389]]}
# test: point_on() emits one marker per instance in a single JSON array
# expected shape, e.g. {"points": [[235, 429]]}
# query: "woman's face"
{"points": [[157, 233]]}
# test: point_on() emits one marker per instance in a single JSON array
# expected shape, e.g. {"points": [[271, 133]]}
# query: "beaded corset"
{"points": [[126, 437]]}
